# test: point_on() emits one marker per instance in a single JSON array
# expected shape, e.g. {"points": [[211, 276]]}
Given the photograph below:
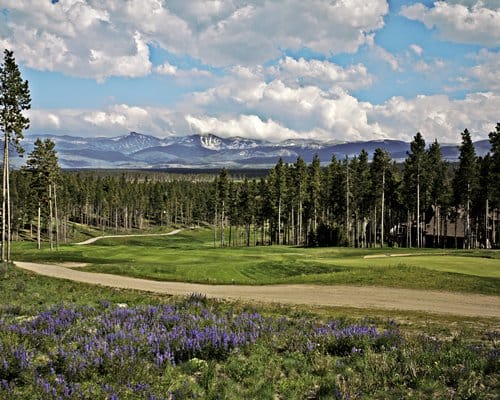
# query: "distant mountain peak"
{"points": [[138, 150]]}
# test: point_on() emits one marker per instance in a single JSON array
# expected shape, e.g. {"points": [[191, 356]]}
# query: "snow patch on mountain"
{"points": [[137, 150]]}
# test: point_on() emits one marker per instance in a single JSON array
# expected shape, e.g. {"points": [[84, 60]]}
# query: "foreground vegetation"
{"points": [[66, 340], [190, 257]]}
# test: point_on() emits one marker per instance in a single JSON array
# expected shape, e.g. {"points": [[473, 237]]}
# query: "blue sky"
{"points": [[330, 70]]}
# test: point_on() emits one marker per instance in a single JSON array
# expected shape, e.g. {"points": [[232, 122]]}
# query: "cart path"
{"points": [[95, 239], [317, 295]]}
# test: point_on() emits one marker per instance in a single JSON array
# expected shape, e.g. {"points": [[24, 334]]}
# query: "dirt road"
{"points": [[336, 296], [95, 239]]}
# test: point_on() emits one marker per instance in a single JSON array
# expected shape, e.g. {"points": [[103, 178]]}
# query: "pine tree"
{"points": [[378, 173], [277, 188], [494, 137], [336, 192], [315, 178], [14, 99], [361, 198], [414, 180], [438, 186], [465, 182], [483, 197], [300, 183], [43, 166], [223, 196]]}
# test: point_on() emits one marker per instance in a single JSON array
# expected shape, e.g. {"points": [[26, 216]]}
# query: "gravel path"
{"points": [[95, 239], [336, 296]]}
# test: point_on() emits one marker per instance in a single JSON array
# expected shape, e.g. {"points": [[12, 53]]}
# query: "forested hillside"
{"points": [[356, 202]]}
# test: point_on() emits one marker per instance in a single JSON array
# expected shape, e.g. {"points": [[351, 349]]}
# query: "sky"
{"points": [[334, 70]]}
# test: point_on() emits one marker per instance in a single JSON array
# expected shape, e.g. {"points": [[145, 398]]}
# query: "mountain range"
{"points": [[137, 150]]}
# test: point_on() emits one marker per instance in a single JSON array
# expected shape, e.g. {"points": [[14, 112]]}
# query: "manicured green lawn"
{"points": [[190, 256]]}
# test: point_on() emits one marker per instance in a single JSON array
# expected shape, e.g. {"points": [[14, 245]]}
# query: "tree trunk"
{"points": [[444, 237], [56, 217], [4, 196], [215, 228], [116, 219], [279, 220], [418, 212], [51, 239], [382, 211], [486, 241], [299, 242], [39, 228], [347, 219], [222, 225], [467, 234], [248, 234], [254, 234], [493, 229], [408, 231]]}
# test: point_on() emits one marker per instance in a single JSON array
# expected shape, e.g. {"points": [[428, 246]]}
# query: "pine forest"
{"points": [[362, 201]]}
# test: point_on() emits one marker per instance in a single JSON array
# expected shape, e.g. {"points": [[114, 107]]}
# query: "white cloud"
{"points": [[302, 108], [113, 120], [103, 38], [252, 34], [437, 116], [384, 55], [418, 50], [249, 126], [166, 69], [429, 67], [476, 24], [323, 74], [104, 65], [338, 116], [74, 37], [492, 4], [486, 74], [182, 75]]}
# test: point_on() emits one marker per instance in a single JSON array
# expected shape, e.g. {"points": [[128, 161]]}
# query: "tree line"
{"points": [[358, 201]]}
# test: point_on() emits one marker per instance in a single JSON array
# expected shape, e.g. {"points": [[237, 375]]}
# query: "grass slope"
{"points": [[191, 257], [425, 357]]}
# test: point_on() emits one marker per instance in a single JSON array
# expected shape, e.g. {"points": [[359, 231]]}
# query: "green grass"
{"points": [[191, 257], [440, 357]]}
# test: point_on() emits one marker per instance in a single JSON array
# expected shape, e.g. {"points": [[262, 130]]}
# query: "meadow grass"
{"points": [[296, 353], [190, 256]]}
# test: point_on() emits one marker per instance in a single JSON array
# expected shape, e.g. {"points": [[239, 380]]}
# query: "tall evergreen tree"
{"points": [[314, 195], [414, 180], [336, 192], [360, 201], [300, 182], [278, 188], [14, 99], [379, 170], [494, 137], [222, 197], [42, 164], [483, 198], [438, 186], [465, 182]]}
